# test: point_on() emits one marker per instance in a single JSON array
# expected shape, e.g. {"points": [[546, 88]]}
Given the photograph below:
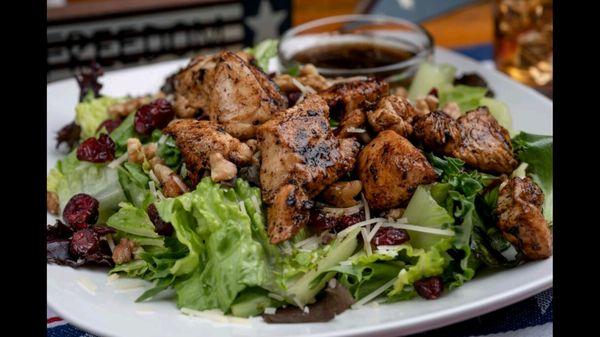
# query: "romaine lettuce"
{"points": [[91, 112], [134, 182], [223, 258], [263, 52], [98, 180], [431, 76]]}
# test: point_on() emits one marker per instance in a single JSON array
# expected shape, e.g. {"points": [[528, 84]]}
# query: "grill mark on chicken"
{"points": [[390, 168], [198, 139], [299, 157], [520, 218], [476, 138]]}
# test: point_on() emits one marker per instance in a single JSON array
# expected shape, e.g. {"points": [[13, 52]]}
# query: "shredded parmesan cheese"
{"points": [[179, 183], [343, 211], [115, 163], [111, 243], [374, 294], [154, 178], [358, 224], [355, 130], [270, 310], [303, 88], [348, 79], [366, 242], [422, 229], [374, 231]]}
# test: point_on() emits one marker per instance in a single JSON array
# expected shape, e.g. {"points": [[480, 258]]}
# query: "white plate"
{"points": [[87, 299]]}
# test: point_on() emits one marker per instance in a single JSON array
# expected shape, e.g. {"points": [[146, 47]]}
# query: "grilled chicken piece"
{"points": [[191, 87], [197, 140], [241, 97], [476, 138], [229, 90], [354, 119], [392, 113], [299, 157], [348, 96], [520, 218], [390, 169]]}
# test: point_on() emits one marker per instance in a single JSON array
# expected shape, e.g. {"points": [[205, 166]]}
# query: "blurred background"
{"points": [[515, 34]]}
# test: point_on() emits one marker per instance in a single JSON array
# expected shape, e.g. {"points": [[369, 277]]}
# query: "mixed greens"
{"points": [[214, 251]]}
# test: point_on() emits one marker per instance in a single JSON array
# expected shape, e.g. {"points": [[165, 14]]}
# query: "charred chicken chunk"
{"points": [[476, 138], [520, 218], [298, 149], [351, 121], [348, 96], [229, 90], [390, 169], [241, 97], [191, 87], [198, 139], [392, 113]]}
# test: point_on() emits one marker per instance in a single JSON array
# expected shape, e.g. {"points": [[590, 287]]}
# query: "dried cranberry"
{"points": [[433, 92], [110, 125], [155, 115], [81, 210], [430, 288], [84, 242], [160, 227], [387, 236], [98, 150], [321, 221]]}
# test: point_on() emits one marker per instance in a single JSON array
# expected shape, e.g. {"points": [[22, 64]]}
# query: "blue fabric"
{"points": [[480, 52]]}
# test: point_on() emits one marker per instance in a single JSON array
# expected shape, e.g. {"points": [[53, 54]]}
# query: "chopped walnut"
{"points": [[452, 109], [52, 203], [134, 151], [394, 213], [252, 144], [402, 92], [150, 150], [221, 169], [172, 184], [425, 105], [123, 252], [342, 193]]}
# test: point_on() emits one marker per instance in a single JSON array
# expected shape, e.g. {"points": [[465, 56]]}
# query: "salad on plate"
{"points": [[286, 194]]}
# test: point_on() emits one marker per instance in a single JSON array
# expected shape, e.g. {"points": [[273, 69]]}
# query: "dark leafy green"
{"points": [[536, 151]]}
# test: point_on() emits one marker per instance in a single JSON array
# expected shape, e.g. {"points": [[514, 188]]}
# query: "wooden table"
{"points": [[468, 25]]}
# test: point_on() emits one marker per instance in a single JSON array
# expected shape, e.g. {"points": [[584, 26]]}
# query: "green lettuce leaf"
{"points": [[467, 97], [122, 133], [263, 52], [132, 220], [536, 151], [431, 76], [431, 262], [169, 153], [134, 182], [223, 258], [423, 210], [71, 176], [91, 112]]}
